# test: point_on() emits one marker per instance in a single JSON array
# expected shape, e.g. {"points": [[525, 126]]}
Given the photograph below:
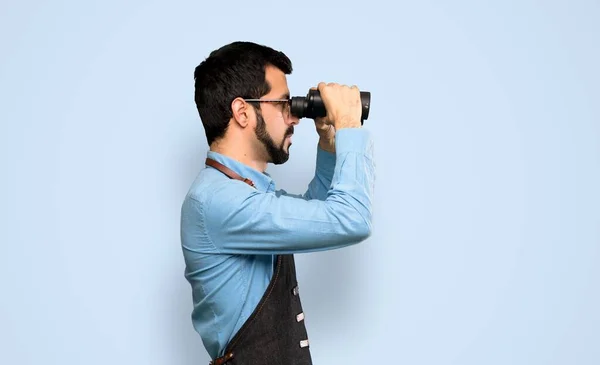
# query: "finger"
{"points": [[322, 122]]}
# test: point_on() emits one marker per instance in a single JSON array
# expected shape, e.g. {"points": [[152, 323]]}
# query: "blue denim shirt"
{"points": [[231, 232]]}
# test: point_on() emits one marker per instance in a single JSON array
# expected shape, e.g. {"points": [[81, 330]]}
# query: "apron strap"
{"points": [[227, 171]]}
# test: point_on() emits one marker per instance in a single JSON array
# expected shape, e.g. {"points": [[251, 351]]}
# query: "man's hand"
{"points": [[342, 103], [343, 107], [326, 132]]}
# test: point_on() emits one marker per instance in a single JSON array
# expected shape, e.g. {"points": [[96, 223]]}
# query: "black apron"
{"points": [[275, 333]]}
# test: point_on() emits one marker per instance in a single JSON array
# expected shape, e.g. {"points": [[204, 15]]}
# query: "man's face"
{"points": [[274, 123]]}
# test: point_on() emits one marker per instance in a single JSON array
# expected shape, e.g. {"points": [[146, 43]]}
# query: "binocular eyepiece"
{"points": [[311, 105]]}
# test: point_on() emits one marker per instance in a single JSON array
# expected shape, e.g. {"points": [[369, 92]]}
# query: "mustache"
{"points": [[289, 131]]}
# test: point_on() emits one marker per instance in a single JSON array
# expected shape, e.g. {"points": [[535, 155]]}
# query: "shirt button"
{"points": [[295, 290], [300, 317], [304, 343]]}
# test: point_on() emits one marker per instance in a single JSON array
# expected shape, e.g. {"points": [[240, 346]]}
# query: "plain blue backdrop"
{"points": [[486, 119]]}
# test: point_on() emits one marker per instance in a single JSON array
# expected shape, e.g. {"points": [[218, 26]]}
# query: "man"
{"points": [[238, 232]]}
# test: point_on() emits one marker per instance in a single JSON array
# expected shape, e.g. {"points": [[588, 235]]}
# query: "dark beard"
{"points": [[277, 154]]}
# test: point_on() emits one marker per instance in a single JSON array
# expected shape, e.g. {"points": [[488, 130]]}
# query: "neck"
{"points": [[241, 152]]}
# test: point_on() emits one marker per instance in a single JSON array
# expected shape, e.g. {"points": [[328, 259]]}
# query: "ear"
{"points": [[240, 110]]}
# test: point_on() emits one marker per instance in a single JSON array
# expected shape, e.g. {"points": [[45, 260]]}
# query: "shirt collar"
{"points": [[262, 180]]}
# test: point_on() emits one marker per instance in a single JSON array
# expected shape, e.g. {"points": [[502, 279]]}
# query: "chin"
{"points": [[281, 158]]}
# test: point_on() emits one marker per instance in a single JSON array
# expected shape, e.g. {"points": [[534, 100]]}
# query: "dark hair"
{"points": [[234, 70]]}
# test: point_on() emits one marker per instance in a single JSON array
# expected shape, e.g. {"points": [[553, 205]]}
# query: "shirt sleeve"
{"points": [[241, 220], [321, 182]]}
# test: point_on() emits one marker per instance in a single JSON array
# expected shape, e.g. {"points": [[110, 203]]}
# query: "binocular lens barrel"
{"points": [[311, 106]]}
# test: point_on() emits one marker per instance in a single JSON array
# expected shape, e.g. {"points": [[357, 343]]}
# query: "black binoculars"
{"points": [[311, 105]]}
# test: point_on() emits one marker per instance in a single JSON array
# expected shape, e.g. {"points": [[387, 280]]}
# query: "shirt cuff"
{"points": [[356, 140]]}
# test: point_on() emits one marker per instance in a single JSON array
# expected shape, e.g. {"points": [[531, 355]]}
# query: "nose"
{"points": [[293, 120]]}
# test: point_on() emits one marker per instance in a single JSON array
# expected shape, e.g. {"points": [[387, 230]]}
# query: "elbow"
{"points": [[364, 226], [355, 219], [362, 230]]}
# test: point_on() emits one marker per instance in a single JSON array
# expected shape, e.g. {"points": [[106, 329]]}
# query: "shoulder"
{"points": [[211, 200], [212, 192]]}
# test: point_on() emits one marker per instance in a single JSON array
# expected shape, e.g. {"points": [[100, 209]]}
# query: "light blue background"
{"points": [[486, 117]]}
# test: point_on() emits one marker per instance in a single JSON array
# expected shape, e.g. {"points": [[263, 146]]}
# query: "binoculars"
{"points": [[311, 105]]}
